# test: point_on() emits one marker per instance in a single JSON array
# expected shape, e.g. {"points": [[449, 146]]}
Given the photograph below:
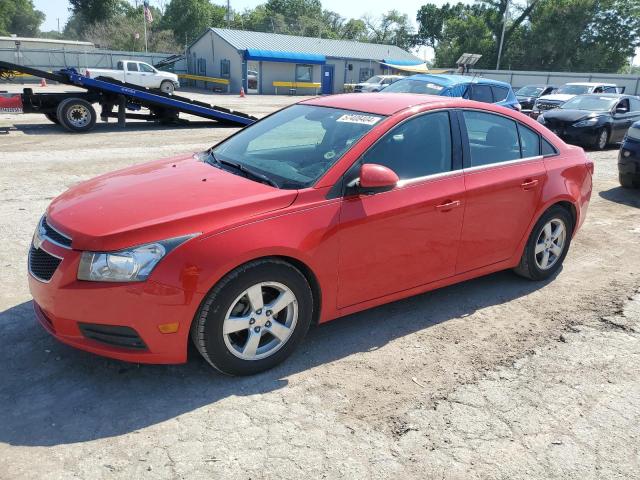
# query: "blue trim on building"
{"points": [[403, 63], [284, 57]]}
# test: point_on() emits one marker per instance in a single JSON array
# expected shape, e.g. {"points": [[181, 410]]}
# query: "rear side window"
{"points": [[418, 147], [529, 142], [132, 67], [492, 138], [481, 93], [499, 93], [548, 149]]}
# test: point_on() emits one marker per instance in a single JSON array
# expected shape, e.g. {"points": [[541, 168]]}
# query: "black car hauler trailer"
{"points": [[75, 112]]}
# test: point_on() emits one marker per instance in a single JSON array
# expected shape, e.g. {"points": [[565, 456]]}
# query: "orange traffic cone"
{"points": [[43, 82], [242, 95]]}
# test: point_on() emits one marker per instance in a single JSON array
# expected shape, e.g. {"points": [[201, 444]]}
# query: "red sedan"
{"points": [[325, 208]]}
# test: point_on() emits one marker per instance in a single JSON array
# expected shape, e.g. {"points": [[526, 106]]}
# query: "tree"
{"points": [[392, 28], [187, 19], [93, 11], [20, 17]]}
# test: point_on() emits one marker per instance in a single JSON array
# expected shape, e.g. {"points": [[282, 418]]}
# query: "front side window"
{"points": [[304, 73], [418, 147], [296, 146], [146, 68], [492, 138], [481, 93], [635, 104]]}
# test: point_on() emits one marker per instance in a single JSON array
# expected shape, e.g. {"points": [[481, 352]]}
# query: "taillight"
{"points": [[591, 167]]}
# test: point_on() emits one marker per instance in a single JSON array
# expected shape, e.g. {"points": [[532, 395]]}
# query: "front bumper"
{"points": [[576, 135], [63, 303]]}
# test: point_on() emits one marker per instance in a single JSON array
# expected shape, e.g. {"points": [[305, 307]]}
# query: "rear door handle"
{"points": [[529, 184], [448, 205]]}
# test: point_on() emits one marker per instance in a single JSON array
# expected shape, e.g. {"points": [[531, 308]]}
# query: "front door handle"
{"points": [[529, 184], [448, 205]]}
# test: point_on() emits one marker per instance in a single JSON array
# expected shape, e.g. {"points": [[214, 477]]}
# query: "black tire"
{"points": [[76, 115], [602, 139], [167, 87], [627, 181], [52, 118], [528, 266], [207, 326]]}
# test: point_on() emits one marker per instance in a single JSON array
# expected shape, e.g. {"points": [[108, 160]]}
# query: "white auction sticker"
{"points": [[363, 119]]}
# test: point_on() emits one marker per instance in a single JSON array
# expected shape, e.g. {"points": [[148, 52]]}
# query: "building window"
{"points": [[202, 65], [225, 68], [365, 74], [304, 73]]}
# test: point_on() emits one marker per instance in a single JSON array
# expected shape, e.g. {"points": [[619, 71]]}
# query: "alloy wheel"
{"points": [[550, 243], [260, 321]]}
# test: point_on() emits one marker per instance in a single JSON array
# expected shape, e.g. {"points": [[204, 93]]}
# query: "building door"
{"points": [[327, 79]]}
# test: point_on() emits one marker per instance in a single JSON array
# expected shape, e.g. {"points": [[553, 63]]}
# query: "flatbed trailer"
{"points": [[75, 112]]}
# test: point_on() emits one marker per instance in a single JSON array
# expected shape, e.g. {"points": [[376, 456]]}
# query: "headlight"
{"points": [[589, 122], [541, 120], [131, 265], [634, 133]]}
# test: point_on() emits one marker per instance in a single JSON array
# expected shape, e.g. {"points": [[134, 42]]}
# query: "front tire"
{"points": [[547, 245], [602, 139], [254, 318], [167, 87]]}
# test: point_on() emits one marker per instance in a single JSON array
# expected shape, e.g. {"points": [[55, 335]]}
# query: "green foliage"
{"points": [[20, 17], [577, 35], [187, 19]]}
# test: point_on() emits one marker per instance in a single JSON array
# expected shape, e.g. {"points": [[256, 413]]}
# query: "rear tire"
{"points": [[236, 331], [76, 115], [627, 181], [547, 245], [167, 87]]}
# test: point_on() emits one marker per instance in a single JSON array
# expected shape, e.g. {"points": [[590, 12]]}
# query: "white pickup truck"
{"points": [[138, 73]]}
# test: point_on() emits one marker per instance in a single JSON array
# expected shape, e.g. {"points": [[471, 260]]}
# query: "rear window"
{"points": [[415, 86], [499, 93], [481, 93]]}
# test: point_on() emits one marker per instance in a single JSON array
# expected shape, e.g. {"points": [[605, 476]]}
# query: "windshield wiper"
{"points": [[248, 173]]}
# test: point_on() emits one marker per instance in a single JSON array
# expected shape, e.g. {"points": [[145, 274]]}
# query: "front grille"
{"points": [[55, 235], [113, 335], [42, 265], [547, 105]]}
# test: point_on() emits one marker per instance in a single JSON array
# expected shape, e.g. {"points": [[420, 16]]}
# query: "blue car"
{"points": [[473, 88], [629, 158]]}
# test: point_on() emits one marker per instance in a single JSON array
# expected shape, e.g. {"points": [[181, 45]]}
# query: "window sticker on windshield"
{"points": [[363, 119], [434, 86]]}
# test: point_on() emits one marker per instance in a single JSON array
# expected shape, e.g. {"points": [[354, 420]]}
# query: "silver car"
{"points": [[376, 83]]}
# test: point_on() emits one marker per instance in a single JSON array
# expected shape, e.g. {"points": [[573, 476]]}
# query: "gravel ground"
{"points": [[494, 378]]}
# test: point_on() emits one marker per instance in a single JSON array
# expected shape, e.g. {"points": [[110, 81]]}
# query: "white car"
{"points": [[138, 73], [570, 90], [376, 83]]}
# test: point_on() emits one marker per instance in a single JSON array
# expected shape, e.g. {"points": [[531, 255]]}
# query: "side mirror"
{"points": [[376, 178], [621, 110]]}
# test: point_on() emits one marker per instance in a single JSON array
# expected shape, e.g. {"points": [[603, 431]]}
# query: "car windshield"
{"points": [[592, 103], [374, 79], [294, 147], [408, 85], [529, 91], [574, 89]]}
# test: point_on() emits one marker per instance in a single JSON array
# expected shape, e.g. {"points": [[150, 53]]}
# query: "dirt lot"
{"points": [[495, 378]]}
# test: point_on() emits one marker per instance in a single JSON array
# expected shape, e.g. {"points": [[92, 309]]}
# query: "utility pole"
{"points": [[504, 27], [228, 13]]}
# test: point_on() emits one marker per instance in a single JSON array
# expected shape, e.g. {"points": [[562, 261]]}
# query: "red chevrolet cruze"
{"points": [[323, 209]]}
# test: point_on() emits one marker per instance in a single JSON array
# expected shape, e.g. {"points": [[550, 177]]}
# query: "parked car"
{"points": [[138, 73], [473, 88], [528, 95], [570, 90], [323, 209], [593, 120], [629, 158], [252, 79], [376, 83]]}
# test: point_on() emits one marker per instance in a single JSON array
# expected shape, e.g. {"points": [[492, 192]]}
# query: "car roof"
{"points": [[449, 80], [382, 103]]}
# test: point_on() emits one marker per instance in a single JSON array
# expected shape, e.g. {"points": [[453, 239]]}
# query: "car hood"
{"points": [[557, 97], [159, 200], [562, 115]]}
